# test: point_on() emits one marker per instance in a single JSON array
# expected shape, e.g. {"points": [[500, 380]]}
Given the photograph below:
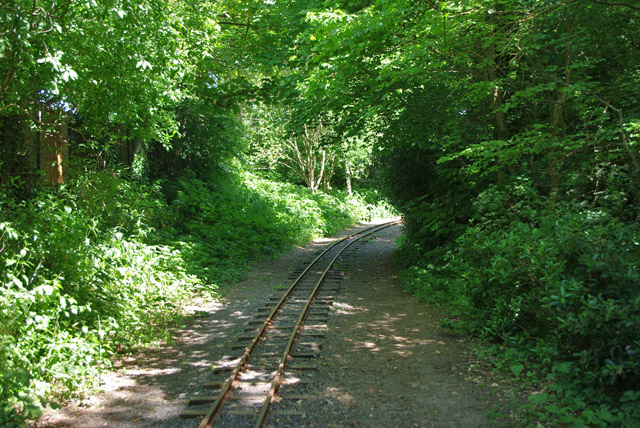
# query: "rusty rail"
{"points": [[226, 390]]}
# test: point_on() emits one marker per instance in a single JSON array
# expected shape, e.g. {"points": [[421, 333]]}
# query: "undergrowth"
{"points": [[554, 291], [104, 264]]}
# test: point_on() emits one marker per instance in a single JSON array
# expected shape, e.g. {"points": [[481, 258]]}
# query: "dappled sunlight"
{"points": [[340, 308], [364, 344], [200, 309], [227, 361], [203, 332], [324, 240], [125, 399], [337, 394], [200, 363], [152, 372], [384, 335], [292, 380], [240, 315], [148, 376], [392, 343], [249, 375]]}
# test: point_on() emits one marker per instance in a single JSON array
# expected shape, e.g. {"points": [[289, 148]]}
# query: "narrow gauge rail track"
{"points": [[253, 383]]}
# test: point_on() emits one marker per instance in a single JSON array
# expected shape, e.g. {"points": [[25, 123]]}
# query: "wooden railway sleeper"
{"points": [[266, 328]]}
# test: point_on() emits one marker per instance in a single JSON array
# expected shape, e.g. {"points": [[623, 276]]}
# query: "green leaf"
{"points": [[69, 74], [144, 65], [516, 369], [563, 367], [630, 396], [538, 398]]}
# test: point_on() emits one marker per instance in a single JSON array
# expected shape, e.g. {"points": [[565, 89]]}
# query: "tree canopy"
{"points": [[506, 131]]}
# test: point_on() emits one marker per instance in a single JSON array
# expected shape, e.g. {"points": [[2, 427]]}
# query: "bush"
{"points": [[560, 287], [221, 226], [78, 281], [46, 345]]}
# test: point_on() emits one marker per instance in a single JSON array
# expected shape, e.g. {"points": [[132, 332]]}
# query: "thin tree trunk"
{"points": [[558, 126], [495, 101], [321, 173], [347, 173]]}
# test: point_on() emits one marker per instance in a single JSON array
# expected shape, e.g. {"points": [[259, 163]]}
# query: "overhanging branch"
{"points": [[621, 4]]}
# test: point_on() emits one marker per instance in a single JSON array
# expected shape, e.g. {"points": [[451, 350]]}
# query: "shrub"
{"points": [[560, 287], [78, 280], [221, 226], [105, 263], [46, 345]]}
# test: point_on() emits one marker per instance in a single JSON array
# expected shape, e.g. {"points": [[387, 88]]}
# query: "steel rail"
{"points": [[275, 382], [216, 408]]}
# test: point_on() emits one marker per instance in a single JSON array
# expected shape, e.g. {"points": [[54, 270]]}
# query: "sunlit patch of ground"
{"points": [[340, 308], [324, 240], [387, 363]]}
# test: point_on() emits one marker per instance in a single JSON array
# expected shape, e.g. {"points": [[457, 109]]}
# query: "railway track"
{"points": [[278, 347]]}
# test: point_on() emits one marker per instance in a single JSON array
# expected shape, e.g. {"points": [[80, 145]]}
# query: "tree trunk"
{"points": [[130, 149], [54, 150], [558, 126], [495, 98], [347, 173], [329, 169], [321, 173], [307, 161]]}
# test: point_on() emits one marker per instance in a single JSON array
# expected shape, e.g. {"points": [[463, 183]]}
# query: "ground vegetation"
{"points": [[506, 131]]}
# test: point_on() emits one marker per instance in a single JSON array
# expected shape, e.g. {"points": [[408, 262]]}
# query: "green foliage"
{"points": [[78, 281], [45, 342], [266, 136], [208, 138], [105, 264], [225, 224], [560, 287], [159, 73], [121, 74]]}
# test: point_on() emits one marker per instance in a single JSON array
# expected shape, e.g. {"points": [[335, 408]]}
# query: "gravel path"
{"points": [[384, 362]]}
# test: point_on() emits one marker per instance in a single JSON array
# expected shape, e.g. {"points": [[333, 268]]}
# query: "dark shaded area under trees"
{"points": [[506, 131]]}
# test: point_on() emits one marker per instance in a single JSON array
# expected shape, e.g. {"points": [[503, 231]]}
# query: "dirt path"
{"points": [[384, 363]]}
